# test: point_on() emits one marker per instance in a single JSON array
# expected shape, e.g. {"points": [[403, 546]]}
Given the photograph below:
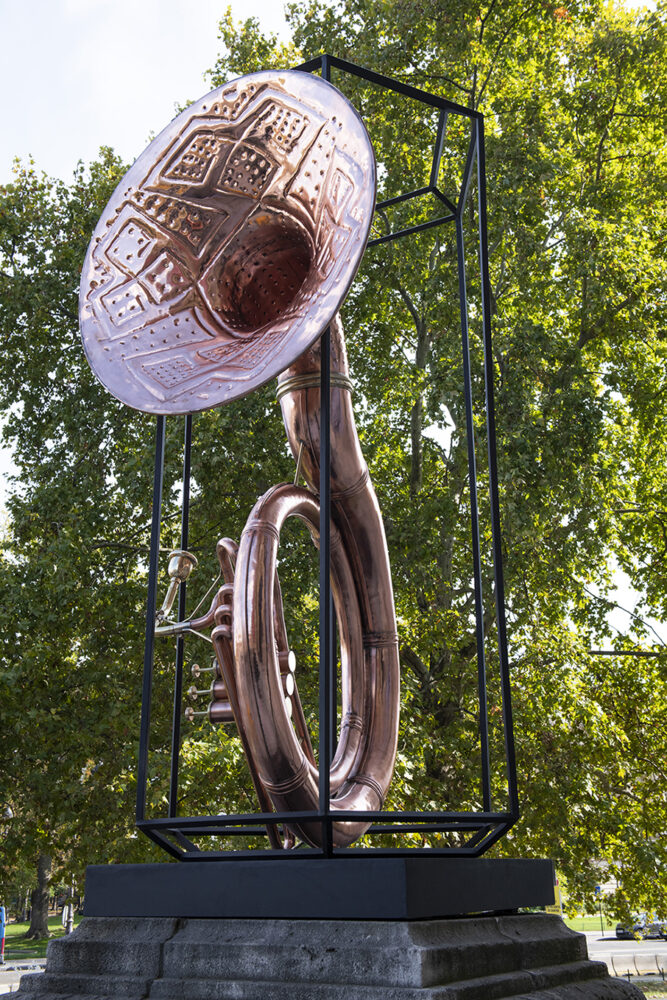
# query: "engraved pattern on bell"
{"points": [[228, 246]]}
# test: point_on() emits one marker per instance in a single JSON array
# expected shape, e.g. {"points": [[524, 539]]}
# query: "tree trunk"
{"points": [[39, 914]]}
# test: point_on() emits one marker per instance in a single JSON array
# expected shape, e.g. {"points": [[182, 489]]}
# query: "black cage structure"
{"points": [[476, 830]]}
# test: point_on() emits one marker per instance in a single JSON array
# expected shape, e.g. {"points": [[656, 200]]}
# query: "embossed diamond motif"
{"points": [[192, 163], [194, 224], [247, 172], [130, 250], [165, 278], [125, 304]]}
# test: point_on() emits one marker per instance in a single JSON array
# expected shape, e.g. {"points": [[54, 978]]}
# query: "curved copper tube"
{"points": [[361, 585]]}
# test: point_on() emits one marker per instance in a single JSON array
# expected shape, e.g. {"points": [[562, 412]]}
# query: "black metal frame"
{"points": [[487, 826]]}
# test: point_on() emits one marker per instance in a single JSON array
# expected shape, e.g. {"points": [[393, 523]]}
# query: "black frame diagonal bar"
{"points": [[480, 829]]}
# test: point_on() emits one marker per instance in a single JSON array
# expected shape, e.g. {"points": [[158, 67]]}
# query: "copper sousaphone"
{"points": [[222, 256]]}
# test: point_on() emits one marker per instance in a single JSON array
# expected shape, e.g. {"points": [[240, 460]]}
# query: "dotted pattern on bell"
{"points": [[246, 172], [191, 223], [126, 305], [180, 329], [131, 248], [280, 127], [165, 278], [171, 372], [314, 170], [194, 162], [235, 100]]}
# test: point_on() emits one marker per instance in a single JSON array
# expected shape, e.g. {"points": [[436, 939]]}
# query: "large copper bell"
{"points": [[229, 245], [222, 256]]}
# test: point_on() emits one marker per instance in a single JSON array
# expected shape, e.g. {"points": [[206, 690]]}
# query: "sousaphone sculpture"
{"points": [[221, 258]]}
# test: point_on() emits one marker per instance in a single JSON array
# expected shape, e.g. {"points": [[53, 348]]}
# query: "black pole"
{"points": [[474, 518], [180, 641], [499, 577], [326, 599], [332, 656], [325, 593], [437, 149], [151, 607]]}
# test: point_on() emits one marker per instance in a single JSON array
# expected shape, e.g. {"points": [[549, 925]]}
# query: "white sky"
{"points": [[79, 74]]}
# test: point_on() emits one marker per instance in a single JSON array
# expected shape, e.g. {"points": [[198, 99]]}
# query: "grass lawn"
{"points": [[652, 989], [589, 923], [18, 948]]}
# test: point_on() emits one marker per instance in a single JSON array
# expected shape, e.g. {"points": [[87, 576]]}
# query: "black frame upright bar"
{"points": [[326, 669], [151, 608], [482, 827], [180, 639], [483, 722], [496, 534]]}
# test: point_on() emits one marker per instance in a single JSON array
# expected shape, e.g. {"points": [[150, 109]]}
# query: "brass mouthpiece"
{"points": [[181, 564]]}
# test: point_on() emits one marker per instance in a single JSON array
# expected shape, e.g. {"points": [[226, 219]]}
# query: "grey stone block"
{"points": [[370, 952], [525, 957], [70, 983], [103, 957], [131, 947]]}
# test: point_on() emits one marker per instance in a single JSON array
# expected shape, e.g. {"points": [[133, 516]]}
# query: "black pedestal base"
{"points": [[338, 889]]}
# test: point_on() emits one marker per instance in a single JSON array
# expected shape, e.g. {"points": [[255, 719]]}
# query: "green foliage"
{"points": [[574, 104], [247, 50]]}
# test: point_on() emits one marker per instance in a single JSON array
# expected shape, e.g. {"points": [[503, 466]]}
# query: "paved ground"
{"points": [[10, 974], [627, 955]]}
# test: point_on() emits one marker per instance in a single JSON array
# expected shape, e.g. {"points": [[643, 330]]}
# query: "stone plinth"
{"points": [[526, 957]]}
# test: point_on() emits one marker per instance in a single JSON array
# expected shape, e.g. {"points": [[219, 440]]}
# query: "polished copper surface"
{"points": [[250, 638], [229, 244], [361, 584]]}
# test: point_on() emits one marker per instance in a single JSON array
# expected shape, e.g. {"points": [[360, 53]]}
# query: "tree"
{"points": [[574, 103], [69, 702]]}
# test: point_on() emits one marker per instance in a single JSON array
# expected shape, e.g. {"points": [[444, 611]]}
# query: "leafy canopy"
{"points": [[574, 103]]}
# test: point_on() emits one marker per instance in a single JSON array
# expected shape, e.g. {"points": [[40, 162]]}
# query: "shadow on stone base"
{"points": [[526, 957]]}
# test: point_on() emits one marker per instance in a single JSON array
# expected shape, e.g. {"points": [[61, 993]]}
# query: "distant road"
{"points": [[9, 977], [602, 948]]}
